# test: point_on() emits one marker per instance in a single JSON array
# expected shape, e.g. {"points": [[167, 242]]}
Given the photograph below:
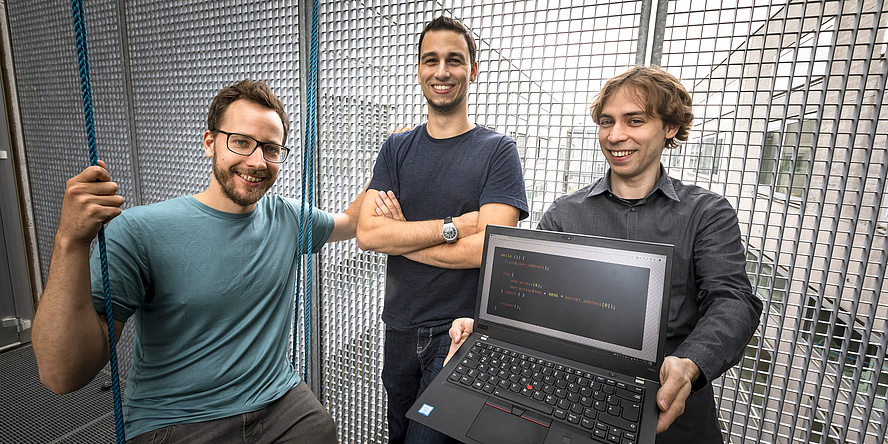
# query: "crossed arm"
{"points": [[382, 228]]}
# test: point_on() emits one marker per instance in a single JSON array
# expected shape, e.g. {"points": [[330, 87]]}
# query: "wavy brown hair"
{"points": [[662, 95]]}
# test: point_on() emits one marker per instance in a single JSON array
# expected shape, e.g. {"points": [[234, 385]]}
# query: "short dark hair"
{"points": [[254, 91], [448, 24], [661, 93]]}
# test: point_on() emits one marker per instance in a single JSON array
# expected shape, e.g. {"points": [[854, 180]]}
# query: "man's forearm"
{"points": [[464, 253], [388, 236]]}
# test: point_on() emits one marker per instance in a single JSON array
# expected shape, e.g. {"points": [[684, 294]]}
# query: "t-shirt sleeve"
{"points": [[385, 174], [505, 182], [322, 226], [125, 263]]}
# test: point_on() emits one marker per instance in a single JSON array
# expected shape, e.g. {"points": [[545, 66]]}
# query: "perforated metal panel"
{"points": [[790, 126]]}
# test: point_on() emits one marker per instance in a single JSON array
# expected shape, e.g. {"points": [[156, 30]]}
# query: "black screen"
{"points": [[597, 300]]}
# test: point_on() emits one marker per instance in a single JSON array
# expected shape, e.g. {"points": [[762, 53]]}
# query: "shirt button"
{"points": [[632, 209]]}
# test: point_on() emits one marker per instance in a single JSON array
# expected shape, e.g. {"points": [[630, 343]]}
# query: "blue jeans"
{"points": [[412, 359]]}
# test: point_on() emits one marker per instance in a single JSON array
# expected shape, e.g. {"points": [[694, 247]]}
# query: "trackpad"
{"points": [[494, 426]]}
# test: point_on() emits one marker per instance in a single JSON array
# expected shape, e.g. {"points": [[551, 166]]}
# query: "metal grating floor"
{"points": [[30, 413]]}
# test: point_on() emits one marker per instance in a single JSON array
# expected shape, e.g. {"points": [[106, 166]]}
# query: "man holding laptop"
{"points": [[713, 311]]}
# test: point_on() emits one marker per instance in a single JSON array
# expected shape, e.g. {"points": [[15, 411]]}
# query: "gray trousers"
{"points": [[297, 417]]}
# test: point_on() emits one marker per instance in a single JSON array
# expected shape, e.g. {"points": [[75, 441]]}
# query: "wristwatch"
{"points": [[449, 230]]}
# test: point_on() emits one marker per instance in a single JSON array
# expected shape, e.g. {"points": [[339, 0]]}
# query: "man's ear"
{"points": [[474, 73], [209, 143], [671, 130]]}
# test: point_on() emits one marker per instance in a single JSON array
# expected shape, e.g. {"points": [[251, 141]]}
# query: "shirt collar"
{"points": [[665, 183]]}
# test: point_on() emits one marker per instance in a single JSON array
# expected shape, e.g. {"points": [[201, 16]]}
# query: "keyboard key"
{"points": [[632, 396], [631, 411], [599, 405], [617, 422]]}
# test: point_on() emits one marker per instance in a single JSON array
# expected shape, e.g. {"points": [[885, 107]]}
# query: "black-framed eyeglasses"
{"points": [[245, 145]]}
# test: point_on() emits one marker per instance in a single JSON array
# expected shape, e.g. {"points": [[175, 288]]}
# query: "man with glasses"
{"points": [[209, 281]]}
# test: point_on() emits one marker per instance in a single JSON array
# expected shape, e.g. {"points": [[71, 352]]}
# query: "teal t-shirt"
{"points": [[212, 296]]}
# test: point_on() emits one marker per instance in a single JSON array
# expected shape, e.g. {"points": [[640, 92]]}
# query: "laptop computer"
{"points": [[567, 346]]}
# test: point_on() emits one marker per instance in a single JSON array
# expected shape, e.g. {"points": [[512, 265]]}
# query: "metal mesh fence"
{"points": [[789, 126]]}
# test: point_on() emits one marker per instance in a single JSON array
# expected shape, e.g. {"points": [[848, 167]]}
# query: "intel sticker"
{"points": [[425, 409]]}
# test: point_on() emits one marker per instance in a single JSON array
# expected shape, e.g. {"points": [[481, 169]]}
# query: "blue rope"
{"points": [[83, 63], [308, 184]]}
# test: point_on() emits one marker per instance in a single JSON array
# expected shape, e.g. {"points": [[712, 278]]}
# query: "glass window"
{"points": [[761, 275], [785, 162]]}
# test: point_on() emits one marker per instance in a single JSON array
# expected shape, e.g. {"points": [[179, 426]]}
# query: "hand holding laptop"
{"points": [[677, 375], [459, 331]]}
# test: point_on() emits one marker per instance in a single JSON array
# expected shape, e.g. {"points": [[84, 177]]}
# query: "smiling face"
{"points": [[445, 71], [632, 142], [238, 181]]}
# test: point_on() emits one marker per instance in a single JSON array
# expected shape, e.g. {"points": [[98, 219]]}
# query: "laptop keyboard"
{"points": [[608, 409]]}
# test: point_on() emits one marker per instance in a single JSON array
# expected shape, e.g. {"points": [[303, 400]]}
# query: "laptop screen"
{"points": [[595, 292]]}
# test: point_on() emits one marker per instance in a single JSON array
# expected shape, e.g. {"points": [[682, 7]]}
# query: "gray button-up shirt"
{"points": [[713, 312]]}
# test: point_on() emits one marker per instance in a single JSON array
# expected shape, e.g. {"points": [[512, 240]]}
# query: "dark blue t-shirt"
{"points": [[434, 179]]}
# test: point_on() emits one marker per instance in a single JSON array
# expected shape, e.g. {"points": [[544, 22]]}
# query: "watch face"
{"points": [[449, 232]]}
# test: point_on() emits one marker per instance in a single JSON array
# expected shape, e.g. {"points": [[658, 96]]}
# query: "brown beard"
{"points": [[225, 179]]}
